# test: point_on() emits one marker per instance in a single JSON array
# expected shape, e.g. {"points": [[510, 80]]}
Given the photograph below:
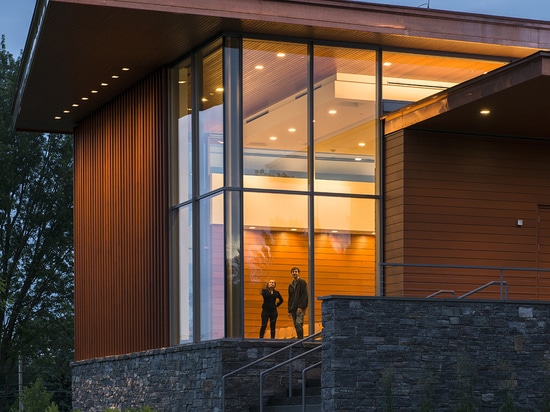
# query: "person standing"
{"points": [[297, 301], [272, 300]]}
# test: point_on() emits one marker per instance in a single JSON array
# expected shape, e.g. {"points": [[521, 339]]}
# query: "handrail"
{"points": [[227, 375], [304, 371], [494, 282], [287, 362], [439, 292]]}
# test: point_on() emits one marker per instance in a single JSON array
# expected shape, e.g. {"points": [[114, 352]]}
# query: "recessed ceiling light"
{"points": [[358, 159], [259, 67], [219, 89], [485, 111], [292, 130], [104, 84], [75, 104], [332, 111], [94, 91], [281, 54], [66, 111], [182, 81], [387, 64], [84, 98], [115, 76], [273, 138], [204, 99], [57, 117], [334, 231], [362, 144], [125, 69], [294, 229], [252, 227]]}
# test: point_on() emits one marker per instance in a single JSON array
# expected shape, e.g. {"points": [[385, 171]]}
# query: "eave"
{"points": [[75, 45]]}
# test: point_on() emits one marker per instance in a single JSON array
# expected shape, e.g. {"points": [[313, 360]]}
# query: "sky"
{"points": [[16, 15]]}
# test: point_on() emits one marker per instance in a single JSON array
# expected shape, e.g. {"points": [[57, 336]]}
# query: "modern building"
{"points": [[386, 151]]}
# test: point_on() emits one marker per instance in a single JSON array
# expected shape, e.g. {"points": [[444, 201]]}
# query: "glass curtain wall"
{"points": [[276, 168]]}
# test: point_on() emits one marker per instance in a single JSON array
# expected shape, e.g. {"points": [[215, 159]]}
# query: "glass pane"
{"points": [[411, 77], [184, 259], [344, 248], [345, 120], [275, 240], [211, 124], [212, 302], [275, 81], [182, 150]]}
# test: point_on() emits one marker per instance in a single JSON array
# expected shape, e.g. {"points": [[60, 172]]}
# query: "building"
{"points": [[219, 143]]}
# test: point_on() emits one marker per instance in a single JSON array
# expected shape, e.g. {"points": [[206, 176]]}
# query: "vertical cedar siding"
{"points": [[121, 230], [454, 199]]}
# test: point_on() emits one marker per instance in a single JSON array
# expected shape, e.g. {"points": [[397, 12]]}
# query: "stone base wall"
{"points": [[435, 355], [182, 378]]}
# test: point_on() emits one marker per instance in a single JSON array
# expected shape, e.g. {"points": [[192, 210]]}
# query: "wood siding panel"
{"points": [[120, 214], [461, 199]]}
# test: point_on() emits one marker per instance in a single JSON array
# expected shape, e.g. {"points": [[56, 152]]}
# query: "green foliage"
{"points": [[36, 258], [36, 399]]}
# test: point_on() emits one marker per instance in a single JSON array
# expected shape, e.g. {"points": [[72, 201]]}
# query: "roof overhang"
{"points": [[76, 45], [510, 101]]}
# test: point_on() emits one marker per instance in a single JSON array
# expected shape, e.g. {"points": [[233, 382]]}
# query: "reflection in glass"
{"points": [[275, 239], [275, 105], [184, 257], [410, 77], [344, 247], [345, 120], [212, 310], [211, 123], [182, 150]]}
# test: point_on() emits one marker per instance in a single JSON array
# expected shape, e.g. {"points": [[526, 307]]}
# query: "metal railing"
{"points": [[288, 362], [504, 287]]}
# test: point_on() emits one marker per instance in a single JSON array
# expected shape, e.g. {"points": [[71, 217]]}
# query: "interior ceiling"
{"points": [[515, 95], [80, 46]]}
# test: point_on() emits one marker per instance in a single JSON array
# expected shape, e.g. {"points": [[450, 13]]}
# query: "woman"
{"points": [[272, 300]]}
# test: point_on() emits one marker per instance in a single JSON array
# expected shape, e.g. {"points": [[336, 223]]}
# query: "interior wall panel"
{"points": [[120, 215]]}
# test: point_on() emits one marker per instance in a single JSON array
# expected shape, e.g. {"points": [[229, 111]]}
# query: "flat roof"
{"points": [[76, 45]]}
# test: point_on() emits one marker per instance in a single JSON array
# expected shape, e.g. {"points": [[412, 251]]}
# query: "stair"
{"points": [[294, 403]]}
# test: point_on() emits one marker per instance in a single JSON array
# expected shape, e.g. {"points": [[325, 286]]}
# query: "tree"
{"points": [[36, 255]]}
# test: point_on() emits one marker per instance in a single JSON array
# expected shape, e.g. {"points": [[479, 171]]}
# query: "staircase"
{"points": [[294, 403]]}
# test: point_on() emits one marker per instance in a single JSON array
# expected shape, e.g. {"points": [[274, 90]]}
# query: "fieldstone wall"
{"points": [[396, 354], [182, 378]]}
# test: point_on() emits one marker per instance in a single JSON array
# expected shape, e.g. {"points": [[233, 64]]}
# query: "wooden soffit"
{"points": [[509, 101], [76, 45]]}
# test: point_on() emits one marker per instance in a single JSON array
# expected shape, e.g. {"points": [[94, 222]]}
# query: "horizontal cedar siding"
{"points": [[120, 214], [461, 198]]}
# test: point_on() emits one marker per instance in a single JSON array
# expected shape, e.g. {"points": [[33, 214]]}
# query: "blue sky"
{"points": [[16, 15]]}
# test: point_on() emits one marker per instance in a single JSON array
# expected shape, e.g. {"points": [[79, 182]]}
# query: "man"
{"points": [[297, 301]]}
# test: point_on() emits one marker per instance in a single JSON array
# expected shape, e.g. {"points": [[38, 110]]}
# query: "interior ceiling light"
{"points": [[94, 91], [57, 117], [292, 130], [115, 76], [125, 69], [484, 111], [182, 81], [332, 111], [387, 64], [281, 54], [105, 84], [273, 138], [259, 67], [204, 99], [219, 89], [75, 104], [362, 144], [84, 98], [66, 111], [358, 159]]}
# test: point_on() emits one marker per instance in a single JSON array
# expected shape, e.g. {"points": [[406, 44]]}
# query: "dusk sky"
{"points": [[16, 15]]}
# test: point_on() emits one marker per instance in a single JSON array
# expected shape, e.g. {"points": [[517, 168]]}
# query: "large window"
{"points": [[277, 168]]}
